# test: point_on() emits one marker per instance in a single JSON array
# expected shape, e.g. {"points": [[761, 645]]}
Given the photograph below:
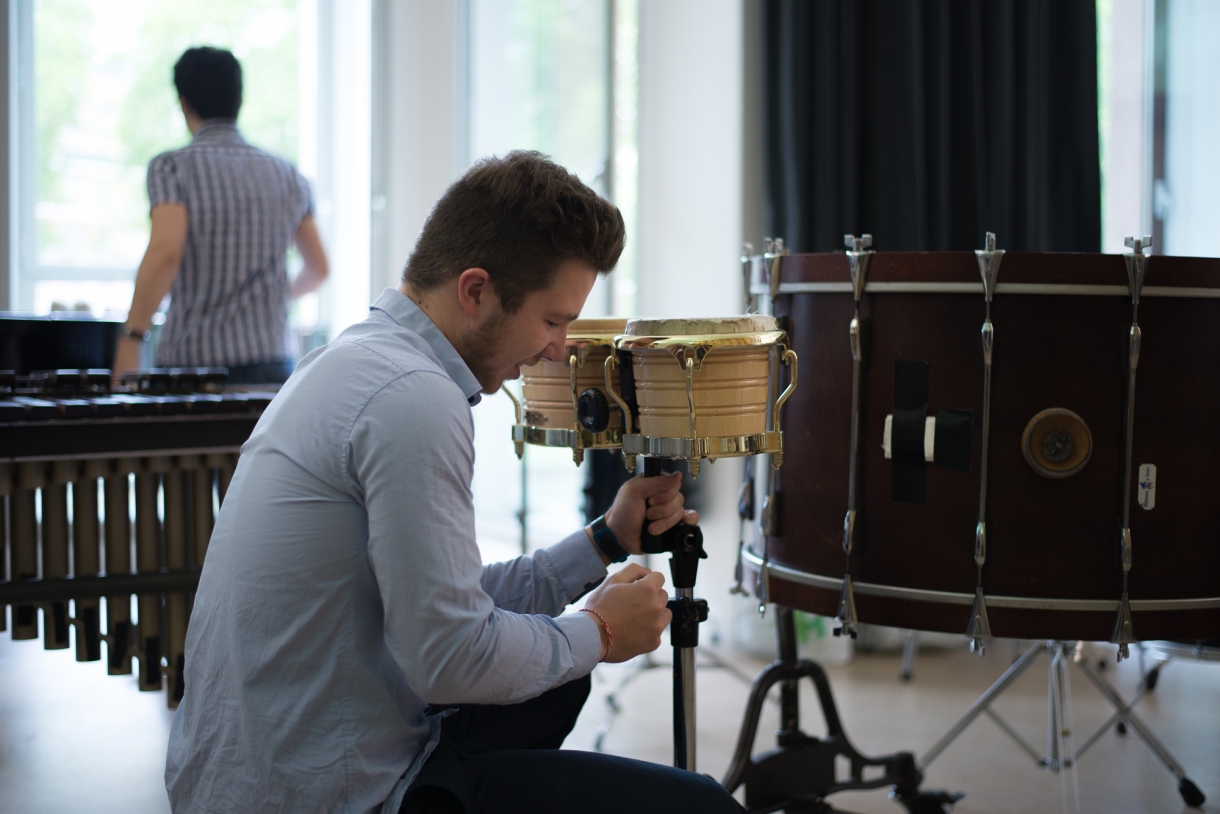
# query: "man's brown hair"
{"points": [[517, 217]]}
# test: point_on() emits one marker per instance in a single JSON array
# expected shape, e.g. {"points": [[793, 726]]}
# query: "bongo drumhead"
{"points": [[581, 328], [702, 326]]}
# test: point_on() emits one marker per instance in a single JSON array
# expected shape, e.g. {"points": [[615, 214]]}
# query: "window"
{"points": [[1186, 191], [103, 104], [1157, 112]]}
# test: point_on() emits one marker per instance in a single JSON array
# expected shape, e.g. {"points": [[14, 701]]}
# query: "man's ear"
{"points": [[475, 292]]}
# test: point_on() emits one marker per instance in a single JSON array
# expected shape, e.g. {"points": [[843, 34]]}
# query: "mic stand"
{"points": [[684, 544]]}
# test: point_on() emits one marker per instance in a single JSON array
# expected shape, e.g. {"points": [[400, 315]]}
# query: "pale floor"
{"points": [[74, 740]]}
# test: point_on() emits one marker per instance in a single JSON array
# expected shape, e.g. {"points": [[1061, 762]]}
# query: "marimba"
{"points": [[111, 493]]}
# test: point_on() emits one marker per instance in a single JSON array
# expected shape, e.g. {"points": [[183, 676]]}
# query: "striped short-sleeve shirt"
{"points": [[229, 302]]}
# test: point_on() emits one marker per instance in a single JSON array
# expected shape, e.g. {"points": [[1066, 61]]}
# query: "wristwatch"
{"points": [[606, 541], [127, 332]]}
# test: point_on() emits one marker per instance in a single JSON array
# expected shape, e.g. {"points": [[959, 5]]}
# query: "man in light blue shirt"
{"points": [[348, 652]]}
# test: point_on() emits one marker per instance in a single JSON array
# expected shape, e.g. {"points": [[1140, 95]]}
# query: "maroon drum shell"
{"points": [[1047, 538]]}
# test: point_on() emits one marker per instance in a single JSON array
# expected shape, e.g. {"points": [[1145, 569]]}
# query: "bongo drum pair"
{"points": [[664, 388]]}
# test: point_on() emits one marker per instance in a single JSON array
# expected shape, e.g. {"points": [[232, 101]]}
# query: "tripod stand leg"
{"points": [[749, 725], [983, 703], [1186, 787], [910, 643], [802, 770]]}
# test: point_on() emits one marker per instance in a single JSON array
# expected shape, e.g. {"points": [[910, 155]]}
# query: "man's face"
{"points": [[504, 342]]}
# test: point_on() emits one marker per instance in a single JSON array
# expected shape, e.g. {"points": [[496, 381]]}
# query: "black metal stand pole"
{"points": [[684, 544]]}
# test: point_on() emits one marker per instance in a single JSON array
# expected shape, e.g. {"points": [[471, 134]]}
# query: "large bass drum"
{"points": [[1057, 472]]}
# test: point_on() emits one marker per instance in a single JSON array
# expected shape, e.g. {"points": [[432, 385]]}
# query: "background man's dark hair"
{"points": [[517, 217], [210, 81]]}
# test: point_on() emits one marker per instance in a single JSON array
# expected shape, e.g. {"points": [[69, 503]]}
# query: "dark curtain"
{"points": [[929, 122]]}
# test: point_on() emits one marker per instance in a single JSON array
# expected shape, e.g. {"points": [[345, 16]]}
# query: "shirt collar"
{"points": [[400, 308], [218, 130]]}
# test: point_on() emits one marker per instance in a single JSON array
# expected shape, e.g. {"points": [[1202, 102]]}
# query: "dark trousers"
{"points": [[506, 759]]}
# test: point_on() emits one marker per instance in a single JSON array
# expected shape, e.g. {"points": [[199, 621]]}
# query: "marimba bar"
{"points": [[111, 494]]}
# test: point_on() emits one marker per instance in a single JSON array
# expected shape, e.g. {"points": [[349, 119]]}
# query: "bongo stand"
{"points": [[1062, 753], [640, 665], [684, 544]]}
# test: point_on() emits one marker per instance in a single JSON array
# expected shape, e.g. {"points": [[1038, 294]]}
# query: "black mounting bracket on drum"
{"points": [[800, 773]]}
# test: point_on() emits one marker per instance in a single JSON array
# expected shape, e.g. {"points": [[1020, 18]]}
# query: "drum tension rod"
{"points": [[858, 257], [979, 628], [1137, 262]]}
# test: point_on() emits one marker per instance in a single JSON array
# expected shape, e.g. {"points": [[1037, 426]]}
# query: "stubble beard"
{"points": [[478, 349]]}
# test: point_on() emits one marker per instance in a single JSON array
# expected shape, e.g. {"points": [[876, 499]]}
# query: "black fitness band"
{"points": [[606, 541]]}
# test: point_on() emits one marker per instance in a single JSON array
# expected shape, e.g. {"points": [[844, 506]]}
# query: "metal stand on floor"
{"points": [[642, 664], [801, 772], [684, 544], [1062, 754], [910, 645]]}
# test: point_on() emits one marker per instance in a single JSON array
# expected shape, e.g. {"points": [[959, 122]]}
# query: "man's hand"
{"points": [[126, 356], [659, 498], [632, 601]]}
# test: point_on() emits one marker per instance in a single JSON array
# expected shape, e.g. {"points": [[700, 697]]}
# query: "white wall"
{"points": [[419, 123], [690, 143], [692, 138], [343, 155], [1127, 163]]}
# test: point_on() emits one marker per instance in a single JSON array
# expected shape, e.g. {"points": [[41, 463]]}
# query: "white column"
{"points": [[690, 142], [343, 156], [419, 121], [691, 147], [1126, 125]]}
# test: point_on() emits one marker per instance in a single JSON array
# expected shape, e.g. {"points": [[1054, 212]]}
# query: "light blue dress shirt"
{"points": [[343, 589]]}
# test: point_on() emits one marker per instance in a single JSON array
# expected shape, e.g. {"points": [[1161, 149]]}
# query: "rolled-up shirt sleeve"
{"points": [[411, 459]]}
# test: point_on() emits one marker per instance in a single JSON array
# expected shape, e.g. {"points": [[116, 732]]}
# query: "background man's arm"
{"points": [[158, 269], [316, 269]]}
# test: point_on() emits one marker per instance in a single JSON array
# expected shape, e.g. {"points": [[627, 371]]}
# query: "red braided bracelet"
{"points": [[605, 627]]}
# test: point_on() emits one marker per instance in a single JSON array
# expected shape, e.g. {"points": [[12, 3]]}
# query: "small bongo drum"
{"points": [[702, 388], [554, 394]]}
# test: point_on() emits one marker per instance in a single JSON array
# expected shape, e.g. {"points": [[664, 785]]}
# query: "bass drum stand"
{"points": [[800, 772], [1062, 752]]}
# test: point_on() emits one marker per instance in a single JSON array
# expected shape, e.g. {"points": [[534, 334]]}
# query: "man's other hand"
{"points": [[659, 498], [632, 601]]}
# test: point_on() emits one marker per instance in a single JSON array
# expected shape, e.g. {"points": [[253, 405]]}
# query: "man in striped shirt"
{"points": [[223, 216]]}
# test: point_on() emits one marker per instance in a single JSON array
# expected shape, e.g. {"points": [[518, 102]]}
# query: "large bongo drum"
{"points": [[702, 388], [549, 411], [1008, 477]]}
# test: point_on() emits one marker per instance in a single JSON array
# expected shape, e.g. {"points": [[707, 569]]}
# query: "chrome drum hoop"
{"points": [[698, 346], [567, 438], [711, 448]]}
